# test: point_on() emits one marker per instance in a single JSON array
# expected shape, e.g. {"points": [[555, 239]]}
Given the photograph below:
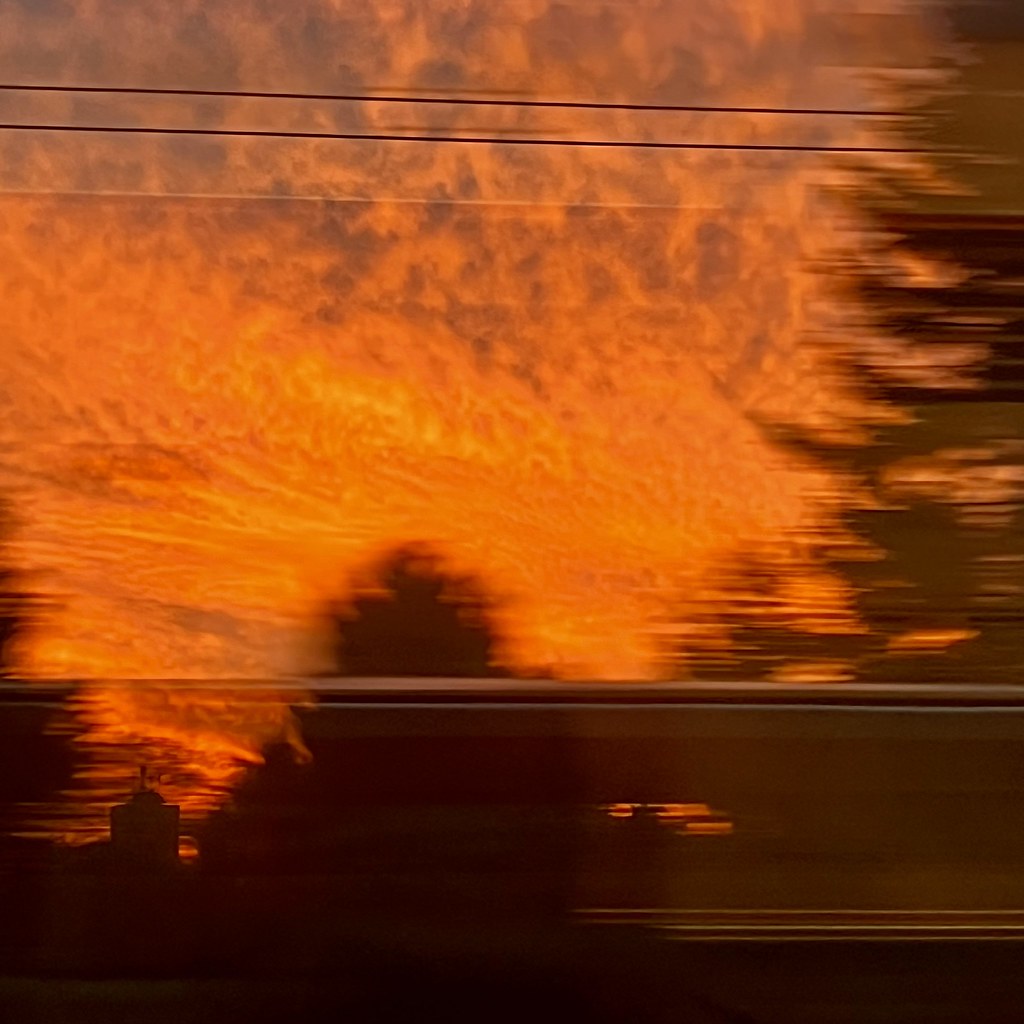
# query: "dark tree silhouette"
{"points": [[10, 623], [427, 622], [18, 608], [947, 565]]}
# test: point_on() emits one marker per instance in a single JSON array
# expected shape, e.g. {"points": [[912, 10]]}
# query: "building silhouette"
{"points": [[144, 830]]}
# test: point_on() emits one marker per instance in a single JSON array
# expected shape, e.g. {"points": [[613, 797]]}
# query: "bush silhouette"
{"points": [[418, 621], [19, 609]]}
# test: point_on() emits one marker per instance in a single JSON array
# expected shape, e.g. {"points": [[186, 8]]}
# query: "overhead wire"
{"points": [[458, 139], [459, 101], [431, 136]]}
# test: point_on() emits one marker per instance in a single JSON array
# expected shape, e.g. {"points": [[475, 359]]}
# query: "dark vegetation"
{"points": [[946, 561], [20, 609], [417, 619]]}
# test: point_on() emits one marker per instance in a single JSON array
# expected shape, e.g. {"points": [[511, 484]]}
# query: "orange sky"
{"points": [[221, 407], [550, 363]]}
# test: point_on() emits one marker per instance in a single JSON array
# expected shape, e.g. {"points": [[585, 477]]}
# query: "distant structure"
{"points": [[144, 831]]}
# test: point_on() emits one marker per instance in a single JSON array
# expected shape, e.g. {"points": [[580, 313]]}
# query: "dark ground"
{"points": [[450, 861]]}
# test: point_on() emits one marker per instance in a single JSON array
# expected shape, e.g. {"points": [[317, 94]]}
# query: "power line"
{"points": [[463, 139], [245, 197], [461, 101]]}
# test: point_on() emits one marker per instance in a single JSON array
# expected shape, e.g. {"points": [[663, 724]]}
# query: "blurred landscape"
{"points": [[511, 509]]}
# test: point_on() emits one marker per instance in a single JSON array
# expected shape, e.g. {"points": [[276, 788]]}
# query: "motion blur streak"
{"points": [[554, 365]]}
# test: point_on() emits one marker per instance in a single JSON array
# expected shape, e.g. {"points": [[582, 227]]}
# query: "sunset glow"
{"points": [[237, 370]]}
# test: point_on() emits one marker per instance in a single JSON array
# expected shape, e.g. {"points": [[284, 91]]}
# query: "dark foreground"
{"points": [[792, 983], [606, 855]]}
